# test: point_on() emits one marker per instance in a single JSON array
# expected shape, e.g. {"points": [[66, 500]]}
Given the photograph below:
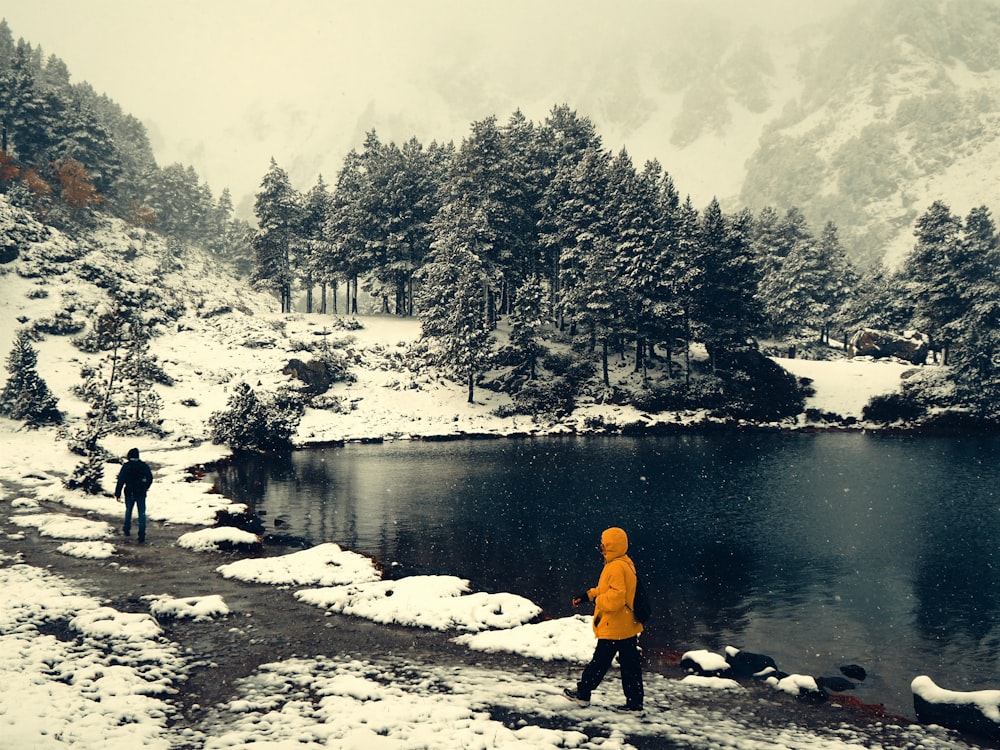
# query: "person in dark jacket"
{"points": [[615, 626], [135, 477]]}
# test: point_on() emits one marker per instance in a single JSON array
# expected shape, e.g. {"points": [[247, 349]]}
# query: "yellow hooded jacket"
{"points": [[615, 593]]}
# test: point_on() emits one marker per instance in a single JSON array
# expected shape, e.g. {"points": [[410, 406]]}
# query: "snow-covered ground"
{"points": [[107, 680]]}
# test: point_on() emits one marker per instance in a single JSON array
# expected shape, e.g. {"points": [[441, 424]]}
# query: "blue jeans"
{"points": [[627, 650], [139, 503]]}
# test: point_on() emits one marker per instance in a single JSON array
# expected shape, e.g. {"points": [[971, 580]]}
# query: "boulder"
{"points": [[749, 664], [854, 671], [911, 346], [314, 373], [976, 712], [705, 663]]}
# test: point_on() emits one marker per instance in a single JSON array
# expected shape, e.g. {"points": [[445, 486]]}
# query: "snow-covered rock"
{"points": [[976, 711]]}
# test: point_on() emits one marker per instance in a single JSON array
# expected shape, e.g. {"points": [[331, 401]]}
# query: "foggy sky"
{"points": [[193, 70]]}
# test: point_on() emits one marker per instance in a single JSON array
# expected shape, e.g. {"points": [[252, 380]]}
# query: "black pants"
{"points": [[631, 663]]}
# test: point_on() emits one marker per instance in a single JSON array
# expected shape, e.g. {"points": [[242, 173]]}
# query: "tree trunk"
{"points": [[604, 362], [687, 350], [322, 298], [472, 387]]}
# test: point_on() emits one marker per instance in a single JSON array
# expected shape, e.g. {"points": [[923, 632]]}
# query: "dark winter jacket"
{"points": [[615, 592], [135, 477]]}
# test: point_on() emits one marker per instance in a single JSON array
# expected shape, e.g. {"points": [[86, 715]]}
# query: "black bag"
{"points": [[642, 607]]}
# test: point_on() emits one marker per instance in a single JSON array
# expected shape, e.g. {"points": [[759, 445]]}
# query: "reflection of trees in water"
{"points": [[957, 581], [246, 476]]}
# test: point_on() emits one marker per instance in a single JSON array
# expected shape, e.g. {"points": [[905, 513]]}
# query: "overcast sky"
{"points": [[190, 68]]}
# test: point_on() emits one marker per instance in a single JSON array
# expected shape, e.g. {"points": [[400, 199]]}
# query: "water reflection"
{"points": [[818, 549]]}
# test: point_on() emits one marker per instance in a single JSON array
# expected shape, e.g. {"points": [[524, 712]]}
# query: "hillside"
{"points": [[212, 332], [898, 109]]}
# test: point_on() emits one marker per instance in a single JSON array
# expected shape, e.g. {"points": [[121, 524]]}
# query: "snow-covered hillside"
{"points": [[213, 333]]}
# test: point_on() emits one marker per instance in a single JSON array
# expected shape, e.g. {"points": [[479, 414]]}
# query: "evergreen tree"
{"points": [[526, 321], [139, 371], [658, 284], [25, 396], [976, 360], [102, 384], [686, 276], [277, 237], [870, 304], [251, 423], [838, 279], [564, 141], [577, 226], [524, 182], [931, 272], [346, 228], [451, 307], [637, 229], [315, 210], [724, 305]]}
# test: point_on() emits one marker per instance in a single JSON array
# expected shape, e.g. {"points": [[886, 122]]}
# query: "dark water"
{"points": [[820, 550]]}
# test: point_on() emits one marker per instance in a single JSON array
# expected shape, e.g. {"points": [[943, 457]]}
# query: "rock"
{"points": [[314, 373], [240, 517], [854, 672], [801, 686], [912, 346], [835, 684], [976, 712], [705, 663], [749, 664]]}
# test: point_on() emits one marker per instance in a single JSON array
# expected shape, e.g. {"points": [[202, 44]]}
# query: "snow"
{"points": [[987, 701], [209, 540], [191, 607], [75, 671], [438, 602], [707, 661], [845, 387], [323, 565]]}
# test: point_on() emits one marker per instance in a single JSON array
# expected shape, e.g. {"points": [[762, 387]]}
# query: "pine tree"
{"points": [[251, 423], [564, 141], [315, 210], [686, 276], [277, 237], [577, 226], [724, 309], [524, 182], [451, 298], [25, 396], [526, 321], [931, 272], [346, 227], [139, 371], [976, 333], [119, 388], [638, 250], [838, 279]]}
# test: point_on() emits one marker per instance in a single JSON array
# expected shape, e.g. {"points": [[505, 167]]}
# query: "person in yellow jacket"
{"points": [[614, 625]]}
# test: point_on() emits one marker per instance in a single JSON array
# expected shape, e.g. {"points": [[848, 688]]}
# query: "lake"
{"points": [[817, 549]]}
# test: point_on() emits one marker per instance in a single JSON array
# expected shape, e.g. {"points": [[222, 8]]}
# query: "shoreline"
{"points": [[281, 627]]}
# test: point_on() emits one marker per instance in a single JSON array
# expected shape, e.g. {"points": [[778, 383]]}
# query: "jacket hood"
{"points": [[615, 543]]}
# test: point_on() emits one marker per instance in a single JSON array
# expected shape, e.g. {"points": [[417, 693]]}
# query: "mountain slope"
{"points": [[899, 108]]}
